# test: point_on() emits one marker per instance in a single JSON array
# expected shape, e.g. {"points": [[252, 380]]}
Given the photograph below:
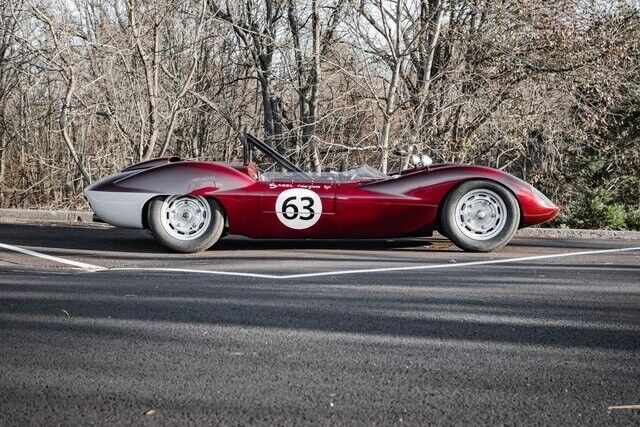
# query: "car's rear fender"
{"points": [[121, 199], [175, 178]]}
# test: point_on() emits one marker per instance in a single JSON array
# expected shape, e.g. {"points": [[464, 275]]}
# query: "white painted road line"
{"points": [[460, 264], [82, 265], [96, 268], [625, 407], [378, 270], [190, 271]]}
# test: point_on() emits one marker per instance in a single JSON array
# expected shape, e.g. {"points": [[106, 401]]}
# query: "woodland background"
{"points": [[546, 90]]}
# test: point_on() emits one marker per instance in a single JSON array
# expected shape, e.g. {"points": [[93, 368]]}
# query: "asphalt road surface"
{"points": [[409, 332]]}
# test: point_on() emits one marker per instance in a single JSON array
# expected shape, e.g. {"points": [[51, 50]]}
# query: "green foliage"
{"points": [[596, 209], [633, 219], [614, 205]]}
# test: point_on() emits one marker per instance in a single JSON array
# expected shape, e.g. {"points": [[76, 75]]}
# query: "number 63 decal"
{"points": [[298, 208]]}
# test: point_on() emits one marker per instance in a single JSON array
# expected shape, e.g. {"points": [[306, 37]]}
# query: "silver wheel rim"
{"points": [[185, 217], [481, 214]]}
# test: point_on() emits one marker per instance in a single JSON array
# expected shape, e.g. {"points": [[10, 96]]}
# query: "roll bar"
{"points": [[249, 142]]}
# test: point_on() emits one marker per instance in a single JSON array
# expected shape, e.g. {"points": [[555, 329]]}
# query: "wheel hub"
{"points": [[185, 217], [481, 214]]}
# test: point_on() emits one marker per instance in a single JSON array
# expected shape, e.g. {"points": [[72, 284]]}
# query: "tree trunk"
{"points": [[387, 116], [3, 150], [71, 81], [309, 120]]}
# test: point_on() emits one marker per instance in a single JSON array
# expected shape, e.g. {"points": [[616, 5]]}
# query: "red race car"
{"points": [[189, 205]]}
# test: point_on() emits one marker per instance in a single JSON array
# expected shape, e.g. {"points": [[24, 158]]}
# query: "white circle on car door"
{"points": [[298, 208]]}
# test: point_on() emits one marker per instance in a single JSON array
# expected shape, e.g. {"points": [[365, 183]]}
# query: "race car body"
{"points": [[189, 205]]}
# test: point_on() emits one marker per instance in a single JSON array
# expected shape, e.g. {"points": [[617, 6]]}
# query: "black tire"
{"points": [[472, 232], [206, 237]]}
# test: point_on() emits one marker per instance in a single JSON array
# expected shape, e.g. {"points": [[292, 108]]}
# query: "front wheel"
{"points": [[480, 216], [186, 223]]}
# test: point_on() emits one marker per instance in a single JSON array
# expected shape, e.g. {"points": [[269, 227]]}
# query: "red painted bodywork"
{"points": [[407, 205]]}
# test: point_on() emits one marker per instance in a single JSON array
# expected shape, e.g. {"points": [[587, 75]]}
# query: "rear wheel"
{"points": [[480, 216], [186, 223]]}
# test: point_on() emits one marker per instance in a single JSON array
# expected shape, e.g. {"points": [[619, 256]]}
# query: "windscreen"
{"points": [[361, 173]]}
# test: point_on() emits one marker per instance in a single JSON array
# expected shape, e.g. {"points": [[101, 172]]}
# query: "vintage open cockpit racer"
{"points": [[189, 205]]}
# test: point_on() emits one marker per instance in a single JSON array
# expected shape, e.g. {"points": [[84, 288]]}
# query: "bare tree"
{"points": [[545, 90], [255, 25], [384, 37], [9, 65], [61, 60]]}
